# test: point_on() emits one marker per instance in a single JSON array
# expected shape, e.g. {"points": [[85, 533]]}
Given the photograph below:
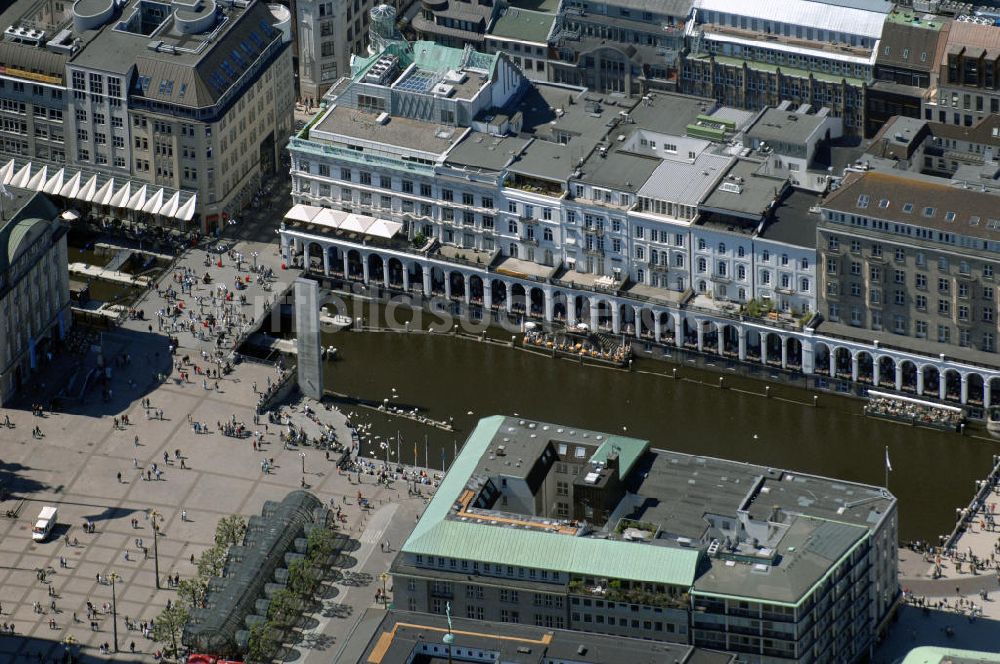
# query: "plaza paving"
{"points": [[75, 466]]}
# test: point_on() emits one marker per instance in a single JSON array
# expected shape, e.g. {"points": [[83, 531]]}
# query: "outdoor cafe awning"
{"points": [[345, 221], [99, 188]]}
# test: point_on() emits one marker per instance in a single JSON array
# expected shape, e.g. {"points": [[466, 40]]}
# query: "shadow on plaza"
{"points": [[71, 382], [916, 627], [35, 649], [14, 484]]}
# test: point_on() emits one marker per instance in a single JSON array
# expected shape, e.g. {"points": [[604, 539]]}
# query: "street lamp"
{"points": [[114, 608], [254, 254], [302, 455], [154, 515], [385, 599]]}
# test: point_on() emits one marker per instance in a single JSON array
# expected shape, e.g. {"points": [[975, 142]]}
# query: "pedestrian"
{"points": [[184, 515], [119, 478], [136, 442]]}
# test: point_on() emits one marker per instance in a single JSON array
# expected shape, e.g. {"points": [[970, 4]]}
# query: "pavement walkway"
{"points": [[76, 464]]}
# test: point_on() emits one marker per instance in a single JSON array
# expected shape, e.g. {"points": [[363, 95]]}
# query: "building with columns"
{"points": [[652, 218], [909, 260]]}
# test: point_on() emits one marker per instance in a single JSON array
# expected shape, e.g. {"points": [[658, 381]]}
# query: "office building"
{"points": [[558, 527], [752, 55], [162, 113], [34, 286]]}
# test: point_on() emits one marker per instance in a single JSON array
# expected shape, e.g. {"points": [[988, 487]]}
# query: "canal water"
{"points": [[933, 472]]}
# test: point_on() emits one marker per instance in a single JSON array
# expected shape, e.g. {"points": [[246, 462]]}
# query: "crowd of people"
{"points": [[916, 413]]}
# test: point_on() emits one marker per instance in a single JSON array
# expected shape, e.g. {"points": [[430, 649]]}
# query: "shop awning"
{"points": [[72, 183], [301, 212], [345, 221]]}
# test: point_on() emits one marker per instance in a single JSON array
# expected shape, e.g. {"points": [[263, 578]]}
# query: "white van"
{"points": [[45, 523]]}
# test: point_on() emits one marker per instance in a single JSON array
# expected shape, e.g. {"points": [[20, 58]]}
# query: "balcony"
{"points": [[616, 591]]}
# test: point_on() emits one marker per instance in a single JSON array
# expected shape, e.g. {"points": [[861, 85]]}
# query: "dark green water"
{"points": [[933, 472]]}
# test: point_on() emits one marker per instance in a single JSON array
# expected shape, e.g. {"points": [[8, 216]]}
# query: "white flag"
{"points": [[888, 464]]}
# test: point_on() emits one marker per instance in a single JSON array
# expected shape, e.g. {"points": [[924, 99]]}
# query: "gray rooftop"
{"points": [[523, 25], [785, 126], [344, 121], [187, 70], [618, 170], [670, 113], [546, 160], [686, 183], [792, 222], [398, 633], [483, 152], [744, 191]]}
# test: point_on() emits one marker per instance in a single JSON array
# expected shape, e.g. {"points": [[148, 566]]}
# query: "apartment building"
{"points": [[912, 260], [34, 286], [533, 519], [968, 76], [752, 55], [164, 113], [906, 66]]}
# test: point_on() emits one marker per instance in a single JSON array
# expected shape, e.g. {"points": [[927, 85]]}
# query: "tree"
{"points": [[192, 591], [261, 642], [211, 562], [170, 625], [283, 605], [419, 239], [230, 531], [302, 578], [320, 544]]}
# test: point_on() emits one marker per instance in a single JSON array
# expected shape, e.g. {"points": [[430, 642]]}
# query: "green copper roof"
{"points": [[629, 451], [429, 56], [435, 535], [21, 230]]}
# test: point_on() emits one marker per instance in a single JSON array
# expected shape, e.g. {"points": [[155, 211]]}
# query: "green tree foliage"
{"points": [[230, 531], [168, 627]]}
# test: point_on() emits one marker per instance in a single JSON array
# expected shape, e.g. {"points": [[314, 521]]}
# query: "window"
{"points": [[702, 265], [900, 255], [944, 307], [943, 285], [921, 281], [366, 177], [988, 342], [944, 334]]}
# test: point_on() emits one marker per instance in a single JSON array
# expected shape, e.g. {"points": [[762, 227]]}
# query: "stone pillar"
{"points": [[510, 296], [616, 318], [701, 336], [364, 267], [964, 396], [487, 293], [678, 331], [406, 277], [741, 332], [570, 310], [549, 305], [346, 264], [595, 317], [425, 272], [309, 361], [285, 251], [466, 288], [762, 338], [784, 352], [854, 367], [326, 261], [657, 326], [722, 339], [899, 376], [942, 385], [385, 273], [920, 382], [447, 284], [808, 357], [987, 392], [877, 372], [637, 316]]}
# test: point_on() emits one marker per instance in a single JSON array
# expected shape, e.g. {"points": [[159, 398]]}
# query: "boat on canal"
{"points": [[993, 420], [915, 412]]}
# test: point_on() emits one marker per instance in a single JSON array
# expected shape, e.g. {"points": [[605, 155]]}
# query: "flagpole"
{"points": [[427, 464], [886, 485]]}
